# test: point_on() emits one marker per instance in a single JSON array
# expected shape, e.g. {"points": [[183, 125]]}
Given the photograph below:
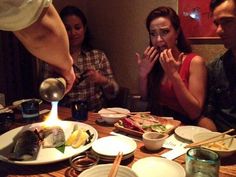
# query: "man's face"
{"points": [[224, 17]]}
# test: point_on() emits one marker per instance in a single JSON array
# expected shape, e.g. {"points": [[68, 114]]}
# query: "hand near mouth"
{"points": [[147, 61], [169, 64]]}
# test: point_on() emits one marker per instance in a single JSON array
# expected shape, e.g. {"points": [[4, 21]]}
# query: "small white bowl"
{"points": [[110, 116], [103, 171], [153, 140], [222, 152]]}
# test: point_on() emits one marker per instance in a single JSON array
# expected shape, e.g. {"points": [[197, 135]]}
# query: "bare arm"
{"points": [[192, 98], [207, 123], [47, 40], [146, 63]]}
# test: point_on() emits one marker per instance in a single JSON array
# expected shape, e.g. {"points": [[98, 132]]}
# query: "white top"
{"points": [[19, 14]]}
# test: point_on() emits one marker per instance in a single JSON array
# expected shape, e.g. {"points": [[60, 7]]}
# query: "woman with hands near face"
{"points": [[172, 78]]}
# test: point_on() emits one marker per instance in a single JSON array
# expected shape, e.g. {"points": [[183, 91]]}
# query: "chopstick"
{"points": [[211, 140], [118, 112], [143, 112], [115, 165]]}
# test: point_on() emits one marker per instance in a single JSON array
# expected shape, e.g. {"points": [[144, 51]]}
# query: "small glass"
{"points": [[201, 162], [79, 110], [30, 110], [6, 120]]}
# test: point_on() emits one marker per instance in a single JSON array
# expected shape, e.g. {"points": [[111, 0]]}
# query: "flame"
{"points": [[52, 119]]}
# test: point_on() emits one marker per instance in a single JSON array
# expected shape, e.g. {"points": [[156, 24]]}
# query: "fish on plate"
{"points": [[26, 146]]}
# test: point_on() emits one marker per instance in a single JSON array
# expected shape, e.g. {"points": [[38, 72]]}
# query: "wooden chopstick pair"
{"points": [[118, 112], [115, 165], [211, 139]]}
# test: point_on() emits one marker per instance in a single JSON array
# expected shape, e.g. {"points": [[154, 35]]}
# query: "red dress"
{"points": [[167, 93]]}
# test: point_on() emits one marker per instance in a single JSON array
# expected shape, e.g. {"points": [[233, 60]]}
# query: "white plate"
{"points": [[112, 115], [229, 143], [45, 155], [112, 145], [187, 132], [157, 167], [112, 158], [103, 171]]}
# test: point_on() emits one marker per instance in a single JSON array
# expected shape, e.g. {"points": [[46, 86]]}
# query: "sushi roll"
{"points": [[52, 136]]}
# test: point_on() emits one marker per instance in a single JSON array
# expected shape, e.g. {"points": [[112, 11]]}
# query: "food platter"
{"points": [[45, 155], [171, 124]]}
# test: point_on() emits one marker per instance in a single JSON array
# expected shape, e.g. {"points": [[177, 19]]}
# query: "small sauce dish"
{"points": [[82, 162], [153, 140]]}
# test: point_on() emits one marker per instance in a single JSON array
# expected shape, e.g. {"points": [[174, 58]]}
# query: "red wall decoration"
{"points": [[196, 19]]}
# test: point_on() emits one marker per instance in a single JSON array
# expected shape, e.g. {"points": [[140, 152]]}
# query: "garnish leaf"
{"points": [[61, 148]]}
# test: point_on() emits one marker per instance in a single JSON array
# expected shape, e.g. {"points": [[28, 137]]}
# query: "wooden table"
{"points": [[227, 168]]}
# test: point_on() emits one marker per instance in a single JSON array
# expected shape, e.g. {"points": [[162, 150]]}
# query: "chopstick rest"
{"points": [[115, 165]]}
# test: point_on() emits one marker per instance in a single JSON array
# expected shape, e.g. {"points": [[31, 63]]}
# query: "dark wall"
{"points": [[17, 69]]}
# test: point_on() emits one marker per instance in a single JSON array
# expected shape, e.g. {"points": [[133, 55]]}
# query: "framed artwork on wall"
{"points": [[196, 20]]}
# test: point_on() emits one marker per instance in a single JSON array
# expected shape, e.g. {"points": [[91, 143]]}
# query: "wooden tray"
{"points": [[163, 121]]}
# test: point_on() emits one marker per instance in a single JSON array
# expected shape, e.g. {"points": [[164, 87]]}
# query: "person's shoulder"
{"points": [[215, 61], [197, 60]]}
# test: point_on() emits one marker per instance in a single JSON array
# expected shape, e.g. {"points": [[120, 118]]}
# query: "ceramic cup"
{"points": [[30, 110], [154, 140], [202, 162]]}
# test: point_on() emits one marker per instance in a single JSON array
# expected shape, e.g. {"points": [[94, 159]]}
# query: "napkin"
{"points": [[174, 153], [177, 146], [173, 142]]}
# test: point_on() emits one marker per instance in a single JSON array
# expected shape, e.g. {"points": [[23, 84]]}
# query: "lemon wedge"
{"points": [[74, 137], [81, 140]]}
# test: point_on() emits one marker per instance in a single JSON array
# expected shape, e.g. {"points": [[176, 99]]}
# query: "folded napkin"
{"points": [[174, 153], [177, 146], [173, 142]]}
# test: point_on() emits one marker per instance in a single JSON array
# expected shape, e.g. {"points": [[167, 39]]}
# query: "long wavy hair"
{"points": [[72, 10], [157, 73]]}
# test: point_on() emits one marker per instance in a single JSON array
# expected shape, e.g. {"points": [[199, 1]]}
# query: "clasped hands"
{"points": [[93, 75], [169, 64]]}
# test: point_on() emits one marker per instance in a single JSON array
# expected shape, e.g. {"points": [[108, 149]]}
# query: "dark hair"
{"points": [[72, 10], [182, 43], [215, 3], [155, 76]]}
